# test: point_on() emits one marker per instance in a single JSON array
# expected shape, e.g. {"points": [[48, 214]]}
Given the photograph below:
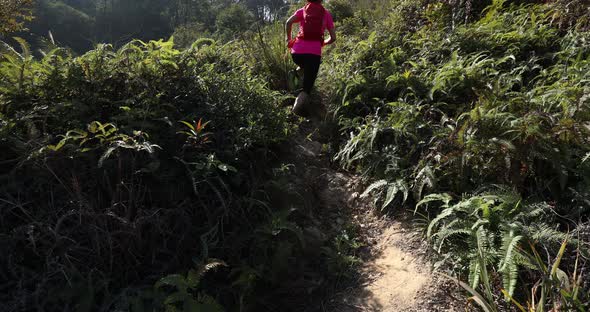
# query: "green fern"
{"points": [[387, 191], [508, 265], [469, 224], [186, 294]]}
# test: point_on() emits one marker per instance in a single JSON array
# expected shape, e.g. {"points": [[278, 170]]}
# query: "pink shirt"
{"points": [[306, 46]]}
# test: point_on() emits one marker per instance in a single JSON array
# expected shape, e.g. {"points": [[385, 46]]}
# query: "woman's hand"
{"points": [[332, 37]]}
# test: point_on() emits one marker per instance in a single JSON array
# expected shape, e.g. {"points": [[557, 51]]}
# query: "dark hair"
{"points": [[314, 0]]}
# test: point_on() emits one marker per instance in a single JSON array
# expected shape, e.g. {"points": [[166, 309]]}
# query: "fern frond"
{"points": [[448, 232], [425, 177], [444, 197], [393, 189], [508, 265], [24, 46], [194, 277], [374, 186], [444, 214], [474, 272], [543, 233]]}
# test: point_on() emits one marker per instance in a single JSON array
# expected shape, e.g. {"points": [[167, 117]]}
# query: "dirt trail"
{"points": [[394, 273]]}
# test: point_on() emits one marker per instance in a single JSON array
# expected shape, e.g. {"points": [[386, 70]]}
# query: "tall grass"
{"points": [[265, 53]]}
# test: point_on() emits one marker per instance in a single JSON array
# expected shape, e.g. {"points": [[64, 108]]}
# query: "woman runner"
{"points": [[306, 48]]}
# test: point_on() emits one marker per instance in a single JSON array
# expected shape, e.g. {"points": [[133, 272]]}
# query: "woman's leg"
{"points": [[311, 66], [310, 71], [299, 59]]}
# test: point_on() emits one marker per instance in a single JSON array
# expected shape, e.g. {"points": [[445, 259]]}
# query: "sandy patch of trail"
{"points": [[398, 276]]}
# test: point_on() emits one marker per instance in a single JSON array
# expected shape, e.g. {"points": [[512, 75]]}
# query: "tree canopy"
{"points": [[81, 24], [13, 15]]}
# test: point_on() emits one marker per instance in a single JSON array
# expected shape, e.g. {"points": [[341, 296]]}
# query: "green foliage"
{"points": [[340, 9], [118, 21], [493, 224], [13, 14], [554, 286], [101, 136], [183, 297], [455, 98], [141, 159], [265, 54], [187, 34], [341, 255], [195, 134], [233, 20], [122, 165], [572, 14], [480, 94], [389, 189]]}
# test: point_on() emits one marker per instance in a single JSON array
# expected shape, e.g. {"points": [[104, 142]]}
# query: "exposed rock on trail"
{"points": [[394, 273]]}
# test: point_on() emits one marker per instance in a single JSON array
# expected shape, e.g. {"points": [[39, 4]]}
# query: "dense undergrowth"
{"points": [[478, 121], [123, 169]]}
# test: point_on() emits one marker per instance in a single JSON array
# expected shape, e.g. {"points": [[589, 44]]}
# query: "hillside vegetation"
{"points": [[479, 123], [146, 176]]}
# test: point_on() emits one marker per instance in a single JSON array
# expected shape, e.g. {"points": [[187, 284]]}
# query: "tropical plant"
{"points": [[195, 134], [494, 224], [185, 295], [543, 295]]}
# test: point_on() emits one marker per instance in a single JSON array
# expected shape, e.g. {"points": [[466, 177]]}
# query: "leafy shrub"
{"points": [[232, 20], [185, 35], [340, 9], [497, 222], [13, 14]]}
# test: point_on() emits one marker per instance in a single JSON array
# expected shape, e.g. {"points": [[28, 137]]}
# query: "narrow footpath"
{"points": [[394, 273]]}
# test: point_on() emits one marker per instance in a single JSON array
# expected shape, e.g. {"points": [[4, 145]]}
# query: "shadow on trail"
{"points": [[365, 262], [335, 226]]}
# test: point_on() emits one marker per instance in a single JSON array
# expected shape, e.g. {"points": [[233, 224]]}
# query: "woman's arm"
{"points": [[289, 26], [332, 39]]}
